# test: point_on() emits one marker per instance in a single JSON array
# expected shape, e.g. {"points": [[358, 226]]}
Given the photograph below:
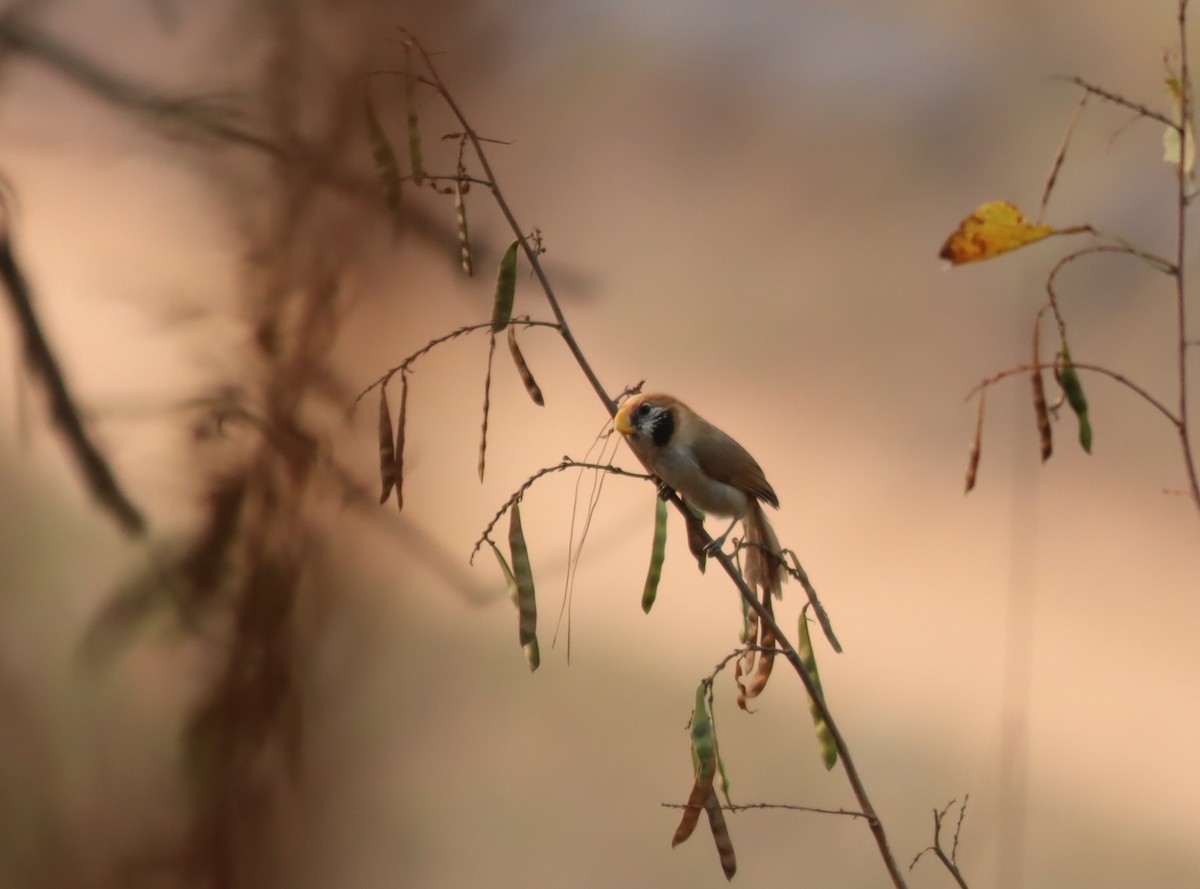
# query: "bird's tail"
{"points": [[764, 564]]}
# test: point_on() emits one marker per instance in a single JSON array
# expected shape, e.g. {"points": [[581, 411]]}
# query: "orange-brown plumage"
{"points": [[710, 471]]}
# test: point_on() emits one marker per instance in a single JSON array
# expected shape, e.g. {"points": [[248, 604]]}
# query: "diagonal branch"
{"points": [[529, 250], [1117, 99], [41, 362]]}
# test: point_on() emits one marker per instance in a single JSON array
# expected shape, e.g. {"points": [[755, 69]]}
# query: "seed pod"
{"points": [[523, 573], [387, 171], [531, 386], [400, 426], [658, 553], [1045, 437], [1072, 387], [703, 767], [415, 159], [460, 220], [387, 449], [804, 648], [720, 832], [976, 445], [532, 655], [506, 288], [487, 406]]}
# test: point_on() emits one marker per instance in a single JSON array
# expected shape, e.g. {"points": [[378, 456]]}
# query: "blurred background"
{"points": [[742, 204]]}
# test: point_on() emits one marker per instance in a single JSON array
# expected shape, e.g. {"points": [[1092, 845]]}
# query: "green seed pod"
{"points": [[658, 553], [1072, 388]]}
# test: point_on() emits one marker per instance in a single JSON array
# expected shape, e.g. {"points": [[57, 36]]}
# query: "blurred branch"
{"points": [[40, 360], [200, 116]]}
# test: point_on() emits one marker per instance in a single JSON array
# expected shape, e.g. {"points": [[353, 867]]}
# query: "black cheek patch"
{"points": [[664, 428]]}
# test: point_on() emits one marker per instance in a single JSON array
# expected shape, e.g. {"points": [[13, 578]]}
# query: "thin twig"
{"points": [[949, 861], [744, 807], [767, 620], [567, 463], [1060, 157], [1181, 169], [406, 364], [1122, 247], [1093, 368], [1122, 101], [530, 252]]}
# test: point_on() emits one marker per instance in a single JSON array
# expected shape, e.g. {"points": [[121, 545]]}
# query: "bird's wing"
{"points": [[727, 461]]}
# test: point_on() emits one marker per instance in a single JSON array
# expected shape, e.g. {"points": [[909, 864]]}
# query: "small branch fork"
{"points": [[530, 250], [1181, 126], [765, 617], [1092, 368], [1117, 99], [567, 463], [405, 366], [950, 860]]}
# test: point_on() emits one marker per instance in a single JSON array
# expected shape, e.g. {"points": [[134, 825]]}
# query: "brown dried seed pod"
{"points": [[387, 448], [531, 386], [400, 424], [976, 445], [1045, 436]]}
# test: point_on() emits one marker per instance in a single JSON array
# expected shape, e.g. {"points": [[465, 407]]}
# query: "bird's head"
{"points": [[651, 418]]}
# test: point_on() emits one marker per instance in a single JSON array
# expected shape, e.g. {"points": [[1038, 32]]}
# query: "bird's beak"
{"points": [[621, 421]]}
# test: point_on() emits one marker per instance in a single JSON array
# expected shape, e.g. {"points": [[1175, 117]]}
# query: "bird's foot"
{"points": [[715, 545]]}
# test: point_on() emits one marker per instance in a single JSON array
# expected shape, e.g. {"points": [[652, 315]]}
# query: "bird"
{"points": [[711, 471]]}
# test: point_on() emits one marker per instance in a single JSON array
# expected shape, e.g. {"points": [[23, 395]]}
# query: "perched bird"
{"points": [[710, 470]]}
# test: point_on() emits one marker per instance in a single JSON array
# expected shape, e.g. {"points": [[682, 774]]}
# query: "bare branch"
{"points": [[948, 860], [1093, 368], [567, 463], [745, 807], [1060, 157], [531, 253], [1118, 99], [406, 364]]}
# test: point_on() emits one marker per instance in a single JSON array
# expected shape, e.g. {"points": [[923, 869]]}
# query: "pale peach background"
{"points": [[743, 205]]}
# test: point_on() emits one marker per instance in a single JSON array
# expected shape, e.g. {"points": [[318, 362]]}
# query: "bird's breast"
{"points": [[678, 468]]}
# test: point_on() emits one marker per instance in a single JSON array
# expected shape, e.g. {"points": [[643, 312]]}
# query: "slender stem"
{"points": [[1093, 368], [746, 807], [1182, 175], [1121, 100], [530, 253], [814, 692], [408, 362]]}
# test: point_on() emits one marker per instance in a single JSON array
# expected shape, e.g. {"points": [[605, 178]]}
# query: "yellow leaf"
{"points": [[994, 228]]}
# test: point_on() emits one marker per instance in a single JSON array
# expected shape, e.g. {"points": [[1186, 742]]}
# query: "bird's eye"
{"points": [[643, 409]]}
